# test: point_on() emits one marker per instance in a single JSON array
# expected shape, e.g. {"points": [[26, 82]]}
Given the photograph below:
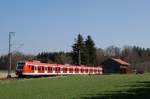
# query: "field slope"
{"points": [[78, 87]]}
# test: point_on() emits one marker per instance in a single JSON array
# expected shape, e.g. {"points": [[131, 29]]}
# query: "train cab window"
{"points": [[20, 65]]}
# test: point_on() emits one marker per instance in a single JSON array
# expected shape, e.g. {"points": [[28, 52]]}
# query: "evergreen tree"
{"points": [[90, 51], [79, 49]]}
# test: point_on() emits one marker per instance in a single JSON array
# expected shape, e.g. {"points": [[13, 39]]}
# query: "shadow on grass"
{"points": [[140, 90]]}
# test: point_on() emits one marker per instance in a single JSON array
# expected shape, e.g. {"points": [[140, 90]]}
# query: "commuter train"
{"points": [[36, 68]]}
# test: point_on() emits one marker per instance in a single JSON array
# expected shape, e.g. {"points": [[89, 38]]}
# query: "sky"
{"points": [[52, 25]]}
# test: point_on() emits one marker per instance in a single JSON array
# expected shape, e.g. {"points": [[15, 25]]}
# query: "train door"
{"points": [[86, 71], [57, 70], [36, 69], [71, 70], [46, 69], [76, 70], [65, 69], [50, 70], [81, 70], [40, 69]]}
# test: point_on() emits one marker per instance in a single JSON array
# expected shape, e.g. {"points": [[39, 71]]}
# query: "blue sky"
{"points": [[52, 25]]}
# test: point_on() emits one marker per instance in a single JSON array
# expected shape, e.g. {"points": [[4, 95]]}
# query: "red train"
{"points": [[35, 68]]}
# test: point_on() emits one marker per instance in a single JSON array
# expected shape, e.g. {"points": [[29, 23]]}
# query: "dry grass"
{"points": [[3, 74]]}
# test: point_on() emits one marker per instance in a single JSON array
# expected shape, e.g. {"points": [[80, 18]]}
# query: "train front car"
{"points": [[20, 68]]}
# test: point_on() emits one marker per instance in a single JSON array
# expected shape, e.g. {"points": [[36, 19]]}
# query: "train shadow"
{"points": [[139, 90]]}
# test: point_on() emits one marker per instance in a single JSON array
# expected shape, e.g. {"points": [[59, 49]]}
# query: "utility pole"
{"points": [[79, 58], [9, 54]]}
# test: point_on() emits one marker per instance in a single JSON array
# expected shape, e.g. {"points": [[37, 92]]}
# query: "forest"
{"points": [[85, 52]]}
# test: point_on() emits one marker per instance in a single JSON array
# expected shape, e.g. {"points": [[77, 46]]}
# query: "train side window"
{"points": [[76, 69], [32, 68], [82, 70], [86, 70], [57, 68], [91, 70], [49, 68], [42, 67], [39, 68], [70, 69], [65, 70], [95, 70], [99, 71]]}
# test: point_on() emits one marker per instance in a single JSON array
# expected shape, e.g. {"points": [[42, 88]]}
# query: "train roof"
{"points": [[48, 64]]}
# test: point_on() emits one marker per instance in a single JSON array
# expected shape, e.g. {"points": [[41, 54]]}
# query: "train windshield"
{"points": [[20, 65]]}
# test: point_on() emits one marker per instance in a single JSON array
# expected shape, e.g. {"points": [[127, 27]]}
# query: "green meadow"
{"points": [[78, 87]]}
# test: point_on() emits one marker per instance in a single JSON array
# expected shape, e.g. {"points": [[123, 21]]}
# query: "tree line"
{"points": [[84, 52]]}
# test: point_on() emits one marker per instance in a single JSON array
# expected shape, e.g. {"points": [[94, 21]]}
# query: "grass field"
{"points": [[78, 87]]}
